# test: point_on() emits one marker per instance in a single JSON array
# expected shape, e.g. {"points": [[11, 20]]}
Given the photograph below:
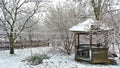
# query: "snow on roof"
{"points": [[84, 26]]}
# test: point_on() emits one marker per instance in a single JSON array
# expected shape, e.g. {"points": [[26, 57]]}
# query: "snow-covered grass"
{"points": [[57, 60]]}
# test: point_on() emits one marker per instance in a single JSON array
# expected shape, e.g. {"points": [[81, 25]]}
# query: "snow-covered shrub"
{"points": [[37, 58]]}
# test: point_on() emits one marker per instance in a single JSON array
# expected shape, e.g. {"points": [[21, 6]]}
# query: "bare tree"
{"points": [[113, 22], [60, 18], [14, 15], [109, 15]]}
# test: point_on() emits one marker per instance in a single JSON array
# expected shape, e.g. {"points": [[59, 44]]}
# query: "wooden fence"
{"points": [[24, 44]]}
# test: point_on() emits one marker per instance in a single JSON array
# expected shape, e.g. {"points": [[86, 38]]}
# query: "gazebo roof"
{"points": [[86, 26]]}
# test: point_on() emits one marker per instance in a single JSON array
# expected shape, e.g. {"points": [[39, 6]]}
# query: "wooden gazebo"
{"points": [[93, 53]]}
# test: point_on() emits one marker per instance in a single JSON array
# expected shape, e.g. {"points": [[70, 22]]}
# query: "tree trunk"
{"points": [[96, 9], [11, 47], [11, 41]]}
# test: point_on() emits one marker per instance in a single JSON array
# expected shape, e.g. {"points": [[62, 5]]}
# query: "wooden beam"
{"points": [[78, 40], [90, 38]]}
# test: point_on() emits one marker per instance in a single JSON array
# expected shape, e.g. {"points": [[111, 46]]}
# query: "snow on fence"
{"points": [[24, 40], [23, 44]]}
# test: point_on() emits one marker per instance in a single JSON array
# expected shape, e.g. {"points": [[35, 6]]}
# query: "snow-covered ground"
{"points": [[57, 59]]}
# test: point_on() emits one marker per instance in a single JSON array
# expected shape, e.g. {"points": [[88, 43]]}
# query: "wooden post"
{"points": [[74, 39], [75, 46], [78, 40], [91, 36], [90, 49]]}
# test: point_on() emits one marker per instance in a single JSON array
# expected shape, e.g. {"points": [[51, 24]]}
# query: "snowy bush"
{"points": [[37, 58]]}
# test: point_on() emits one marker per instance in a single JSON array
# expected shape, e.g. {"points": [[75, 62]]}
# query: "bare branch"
{"points": [[22, 28], [4, 7], [4, 14], [21, 4]]}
